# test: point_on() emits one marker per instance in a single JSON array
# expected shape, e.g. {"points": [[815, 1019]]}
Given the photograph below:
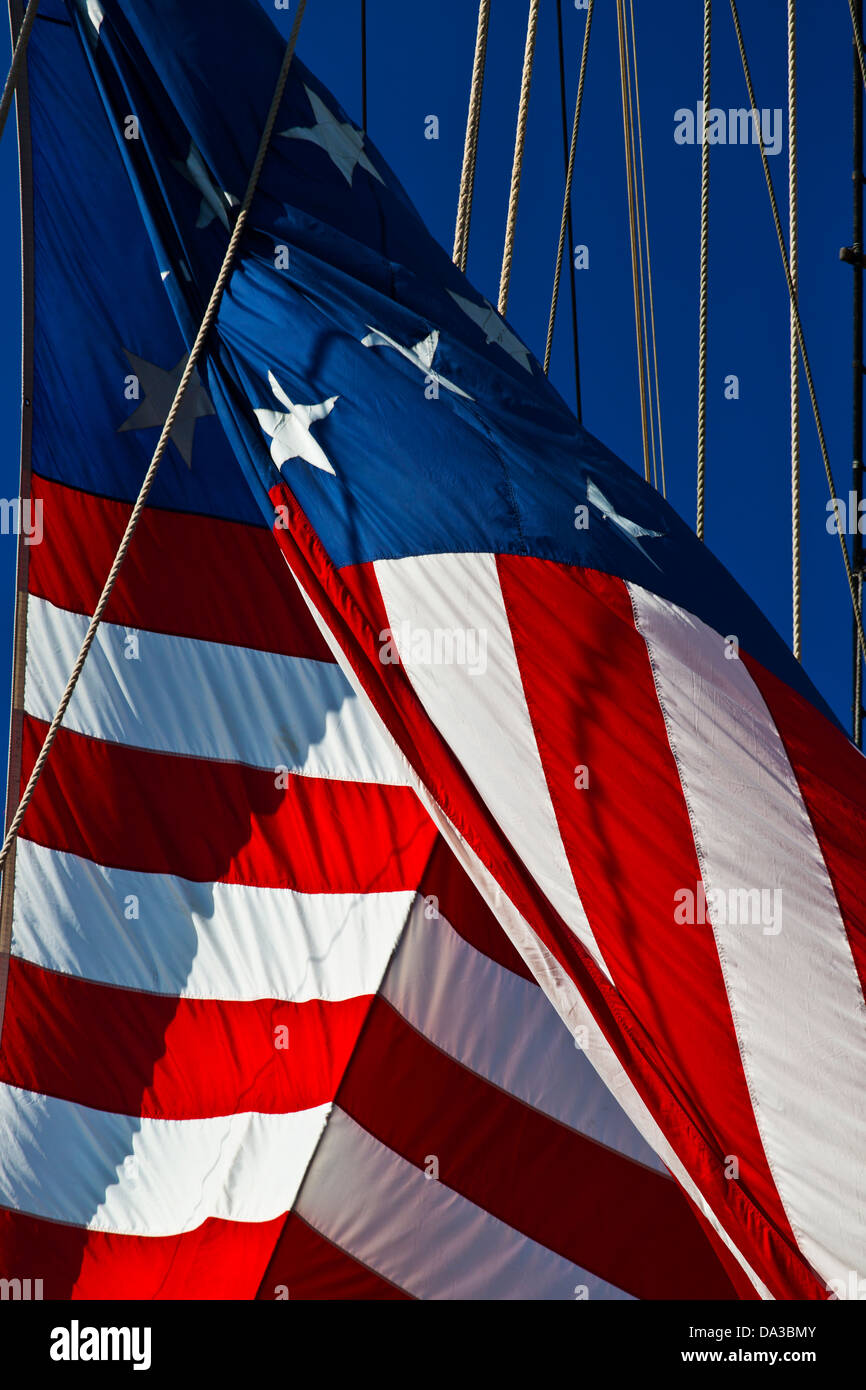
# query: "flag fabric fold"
{"points": [[549, 673], [259, 1029]]}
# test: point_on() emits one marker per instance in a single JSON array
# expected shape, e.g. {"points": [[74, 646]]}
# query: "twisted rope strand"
{"points": [[517, 165], [705, 275], [470, 145], [566, 202], [807, 369], [17, 59]]}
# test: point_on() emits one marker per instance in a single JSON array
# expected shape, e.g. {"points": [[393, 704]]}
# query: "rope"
{"points": [[517, 165], [858, 40], [470, 146], [566, 201], [17, 59], [793, 242], [620, 15], [563, 108], [705, 275], [640, 250], [649, 269], [801, 339], [206, 324], [364, 64]]}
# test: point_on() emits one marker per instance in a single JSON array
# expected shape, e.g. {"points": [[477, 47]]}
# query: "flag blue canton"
{"points": [[352, 359]]}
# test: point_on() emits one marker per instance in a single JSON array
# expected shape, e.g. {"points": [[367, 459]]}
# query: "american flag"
{"points": [[470, 907]]}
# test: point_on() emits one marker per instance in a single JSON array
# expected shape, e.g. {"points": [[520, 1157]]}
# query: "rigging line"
{"points": [[641, 251], [793, 243], [563, 107], [517, 165], [150, 475], [470, 145], [569, 150], [801, 338], [17, 59], [858, 40], [857, 362], [648, 258], [632, 234], [564, 226], [364, 64], [705, 274]]}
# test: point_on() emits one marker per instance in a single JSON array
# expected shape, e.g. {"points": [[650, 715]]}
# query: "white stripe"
{"points": [[517, 1040], [149, 1177], [203, 699], [199, 940], [420, 1234], [789, 973], [479, 706], [560, 989]]}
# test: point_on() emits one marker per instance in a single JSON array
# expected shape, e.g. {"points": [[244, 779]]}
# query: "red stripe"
{"points": [[173, 1059], [817, 751], [188, 575], [453, 894], [351, 604], [218, 1260], [617, 1219], [629, 840], [210, 821], [310, 1267]]}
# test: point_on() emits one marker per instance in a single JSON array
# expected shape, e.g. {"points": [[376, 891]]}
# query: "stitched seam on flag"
{"points": [[194, 1002], [199, 758], [152, 506], [723, 961], [335, 1245], [512, 497], [537, 725], [320, 774], [704, 1157], [816, 839], [489, 1216], [801, 1237], [518, 1100], [174, 634], [55, 1220], [817, 857]]}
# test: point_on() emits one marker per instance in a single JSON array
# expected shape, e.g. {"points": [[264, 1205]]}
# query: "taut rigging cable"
{"points": [[801, 339], [704, 282], [649, 271], [517, 164], [793, 242], [626, 124], [569, 149], [17, 59], [470, 145]]}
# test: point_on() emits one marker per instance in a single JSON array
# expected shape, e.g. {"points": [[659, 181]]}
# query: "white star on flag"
{"points": [[160, 388], [421, 355], [96, 14], [290, 429], [630, 529], [494, 328], [342, 141], [215, 202]]}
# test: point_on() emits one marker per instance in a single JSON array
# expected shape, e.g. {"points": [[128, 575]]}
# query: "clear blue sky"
{"points": [[419, 62]]}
